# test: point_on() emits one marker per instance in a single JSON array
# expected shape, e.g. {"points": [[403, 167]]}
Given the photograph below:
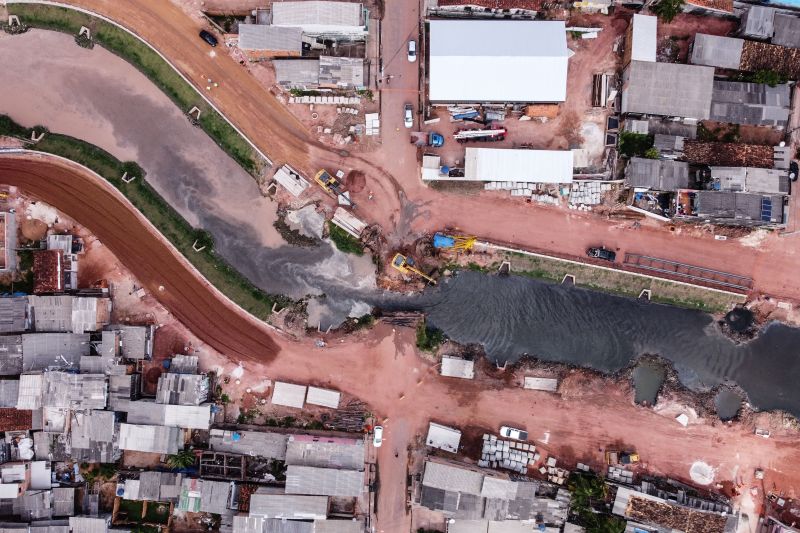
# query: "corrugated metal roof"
{"points": [[11, 355], [255, 443], [324, 481], [497, 61], [643, 47], [270, 38], [9, 392], [83, 524], [318, 15], [188, 416], [657, 174], [323, 397], [136, 341], [63, 501], [716, 51], [341, 71], [75, 391], [452, 478], [93, 436], [154, 439], [750, 179], [30, 391], [456, 367], [667, 89], [338, 526], [787, 30], [289, 506], [758, 22], [13, 314], [755, 104], [443, 437], [545, 384], [182, 389], [502, 489], [289, 394], [42, 351], [325, 452], [296, 72], [534, 166]]}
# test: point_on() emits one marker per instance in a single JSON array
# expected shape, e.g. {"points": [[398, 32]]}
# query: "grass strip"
{"points": [[149, 63], [159, 212], [344, 241]]}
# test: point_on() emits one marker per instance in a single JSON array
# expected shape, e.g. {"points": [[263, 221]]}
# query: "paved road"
{"points": [[399, 387]]}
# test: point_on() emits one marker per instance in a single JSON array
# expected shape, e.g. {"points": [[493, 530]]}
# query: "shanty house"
{"points": [[182, 389], [325, 452], [152, 439], [717, 51], [748, 56], [322, 18], [667, 89], [69, 313], [136, 342], [754, 104], [297, 73], [159, 414], [260, 41], [204, 496], [154, 486], [497, 61], [515, 9], [93, 437], [11, 361], [254, 443], [744, 179], [288, 506], [767, 23], [48, 271], [43, 351], [313, 480], [641, 39], [64, 390], [739, 207], [443, 437], [657, 174], [13, 314], [341, 72]]}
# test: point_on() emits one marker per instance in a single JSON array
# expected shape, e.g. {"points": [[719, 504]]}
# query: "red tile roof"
{"points": [[716, 5], [48, 268], [762, 56], [15, 419], [532, 5], [728, 154]]}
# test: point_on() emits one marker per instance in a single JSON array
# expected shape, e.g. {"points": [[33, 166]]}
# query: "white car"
{"points": [[412, 51], [513, 433], [377, 436], [408, 116]]}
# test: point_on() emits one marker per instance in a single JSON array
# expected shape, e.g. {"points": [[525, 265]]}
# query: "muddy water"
{"points": [[513, 317], [96, 96], [727, 403], [648, 376]]}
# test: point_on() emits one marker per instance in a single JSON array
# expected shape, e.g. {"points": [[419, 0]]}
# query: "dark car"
{"points": [[208, 37], [602, 253], [793, 171]]}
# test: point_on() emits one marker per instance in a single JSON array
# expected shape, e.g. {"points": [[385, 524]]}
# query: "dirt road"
{"points": [[400, 388], [402, 205]]}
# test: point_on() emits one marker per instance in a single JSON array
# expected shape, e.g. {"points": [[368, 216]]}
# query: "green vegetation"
{"points": [[344, 241], [303, 92], [182, 459], [635, 144], [428, 339], [292, 236], [156, 513], [248, 416], [146, 60], [622, 283], [160, 213], [667, 10], [225, 399], [366, 93], [652, 153], [589, 494], [770, 77]]}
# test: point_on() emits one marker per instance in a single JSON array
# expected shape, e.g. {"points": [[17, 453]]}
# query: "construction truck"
{"points": [[621, 458], [432, 139], [334, 187], [443, 241], [483, 135], [407, 266]]}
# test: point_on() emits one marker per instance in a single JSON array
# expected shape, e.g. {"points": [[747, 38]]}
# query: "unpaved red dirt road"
{"points": [[402, 205], [382, 368]]}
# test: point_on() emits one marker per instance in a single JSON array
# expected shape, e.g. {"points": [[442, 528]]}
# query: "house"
{"points": [[322, 18], [159, 414], [9, 392], [204, 496], [494, 61], [8, 242], [443, 437], [314, 480], [729, 154], [289, 394], [341, 72], [323, 397], [505, 9], [739, 207], [534, 166], [15, 419], [325, 452], [667, 89], [67, 313], [748, 179], [68, 269], [641, 39], [93, 437], [154, 486], [455, 367], [136, 342], [11, 355], [122, 389], [261, 41], [15, 478], [182, 389], [748, 56], [43, 351], [85, 524], [657, 174], [13, 314], [30, 391], [786, 30], [753, 104], [288, 506], [463, 492], [253, 443], [64, 390], [184, 364], [653, 511], [48, 271], [769, 23], [152, 439], [297, 73]]}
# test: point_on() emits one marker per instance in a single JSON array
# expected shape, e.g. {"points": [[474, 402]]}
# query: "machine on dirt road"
{"points": [[602, 253], [334, 187], [406, 265], [443, 241]]}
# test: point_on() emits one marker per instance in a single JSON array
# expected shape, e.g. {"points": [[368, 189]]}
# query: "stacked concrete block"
{"points": [[509, 455], [585, 194]]}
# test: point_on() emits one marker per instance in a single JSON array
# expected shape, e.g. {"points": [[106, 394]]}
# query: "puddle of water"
{"points": [[648, 376], [727, 403]]}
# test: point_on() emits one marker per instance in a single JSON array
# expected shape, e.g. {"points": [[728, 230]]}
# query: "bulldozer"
{"points": [[407, 266]]}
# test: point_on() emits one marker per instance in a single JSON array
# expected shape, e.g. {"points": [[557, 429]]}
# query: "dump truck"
{"points": [[406, 265], [443, 241], [432, 139], [333, 186]]}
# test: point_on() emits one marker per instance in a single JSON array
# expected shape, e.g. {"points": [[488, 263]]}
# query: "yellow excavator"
{"points": [[406, 265], [333, 187]]}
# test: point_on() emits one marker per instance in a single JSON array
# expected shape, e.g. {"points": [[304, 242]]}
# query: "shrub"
{"points": [[634, 144], [344, 241], [428, 339], [668, 9]]}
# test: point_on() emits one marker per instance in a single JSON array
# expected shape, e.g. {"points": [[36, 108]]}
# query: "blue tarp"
{"points": [[443, 241]]}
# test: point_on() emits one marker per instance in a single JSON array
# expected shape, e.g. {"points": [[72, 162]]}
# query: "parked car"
{"points": [[513, 433], [208, 37], [412, 51], [408, 115], [602, 253], [377, 436], [793, 171]]}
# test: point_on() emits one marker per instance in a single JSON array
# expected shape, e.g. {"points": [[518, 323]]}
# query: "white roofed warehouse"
{"points": [[497, 61]]}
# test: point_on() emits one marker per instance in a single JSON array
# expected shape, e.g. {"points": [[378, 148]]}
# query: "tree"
{"points": [[652, 153], [668, 9], [634, 144], [182, 459]]}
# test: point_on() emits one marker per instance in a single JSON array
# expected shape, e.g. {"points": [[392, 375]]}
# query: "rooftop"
{"points": [[655, 174], [320, 16], [136, 341], [256, 443], [324, 397], [443, 437], [455, 367], [42, 351], [744, 179], [497, 61], [786, 30], [717, 51], [643, 45], [341, 71], [740, 207], [324, 481], [153, 439], [10, 355], [762, 56], [93, 437], [325, 452], [728, 154], [48, 271], [270, 38], [758, 22], [296, 72], [667, 89], [15, 419], [755, 104], [74, 391], [289, 506], [182, 389], [530, 5], [289, 394], [13, 314], [534, 166]]}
